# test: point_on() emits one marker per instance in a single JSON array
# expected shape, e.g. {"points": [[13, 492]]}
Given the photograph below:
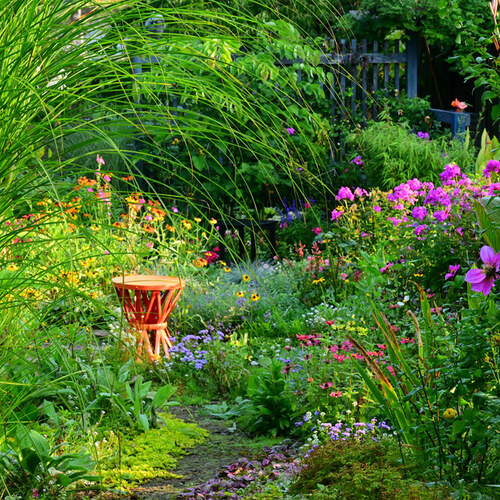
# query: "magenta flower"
{"points": [[100, 160], [452, 271], [491, 166], [290, 130], [317, 230], [482, 280], [358, 160], [345, 193], [336, 214]]}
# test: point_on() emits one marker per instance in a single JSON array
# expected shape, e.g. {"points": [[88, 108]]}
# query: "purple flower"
{"points": [[358, 160], [336, 214], [290, 130], [419, 213], [452, 271], [420, 229], [376, 208], [386, 267], [482, 280], [423, 135], [441, 215], [345, 193], [491, 166], [450, 171]]}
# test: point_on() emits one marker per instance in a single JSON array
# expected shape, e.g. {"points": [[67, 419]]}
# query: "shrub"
{"points": [[393, 155]]}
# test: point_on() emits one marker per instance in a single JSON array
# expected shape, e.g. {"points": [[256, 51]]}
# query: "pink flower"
{"points": [[386, 267], [345, 193], [175, 210], [459, 105], [149, 244], [107, 178], [336, 214], [100, 160], [290, 130], [491, 166], [335, 394], [148, 217], [390, 369], [317, 230], [452, 271], [377, 208], [326, 385], [482, 280]]}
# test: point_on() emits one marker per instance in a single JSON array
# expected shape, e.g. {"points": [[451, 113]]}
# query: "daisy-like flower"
{"points": [[227, 270], [245, 277], [318, 281], [187, 224], [482, 280], [255, 297], [213, 221], [240, 294]]}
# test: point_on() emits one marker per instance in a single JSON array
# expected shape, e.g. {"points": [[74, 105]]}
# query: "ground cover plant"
{"points": [[371, 336]]}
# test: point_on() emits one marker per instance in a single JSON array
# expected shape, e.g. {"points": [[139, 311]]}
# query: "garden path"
{"points": [[223, 446]]}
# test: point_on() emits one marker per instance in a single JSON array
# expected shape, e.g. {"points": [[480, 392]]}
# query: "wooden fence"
{"points": [[359, 71]]}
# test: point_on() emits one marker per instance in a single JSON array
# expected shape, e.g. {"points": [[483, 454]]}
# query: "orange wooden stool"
{"points": [[147, 303]]}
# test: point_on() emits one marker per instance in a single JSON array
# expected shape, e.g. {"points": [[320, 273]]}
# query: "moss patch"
{"points": [[151, 454]]}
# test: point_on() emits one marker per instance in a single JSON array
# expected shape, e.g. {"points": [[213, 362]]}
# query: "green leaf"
{"points": [[163, 394], [143, 421]]}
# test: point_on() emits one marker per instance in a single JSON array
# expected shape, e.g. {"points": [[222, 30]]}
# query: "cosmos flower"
{"points": [[482, 280]]}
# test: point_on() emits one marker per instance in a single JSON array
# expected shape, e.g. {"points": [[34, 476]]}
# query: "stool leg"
{"points": [[158, 338], [147, 344]]}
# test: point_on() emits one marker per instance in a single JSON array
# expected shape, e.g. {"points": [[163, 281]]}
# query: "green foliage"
{"points": [[453, 429], [250, 99], [359, 470], [29, 467], [393, 155], [272, 406]]}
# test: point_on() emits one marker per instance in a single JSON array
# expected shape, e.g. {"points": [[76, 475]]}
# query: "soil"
{"points": [[224, 445]]}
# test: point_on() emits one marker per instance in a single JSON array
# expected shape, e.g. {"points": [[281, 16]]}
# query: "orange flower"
{"points": [[459, 105]]}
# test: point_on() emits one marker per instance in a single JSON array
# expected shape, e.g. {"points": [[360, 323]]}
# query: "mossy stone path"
{"points": [[224, 445]]}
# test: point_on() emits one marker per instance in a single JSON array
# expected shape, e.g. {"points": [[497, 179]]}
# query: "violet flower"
{"points": [[482, 280], [452, 271]]}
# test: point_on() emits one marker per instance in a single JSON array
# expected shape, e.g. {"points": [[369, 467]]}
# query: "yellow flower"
{"points": [[245, 277], [197, 219], [12, 267], [213, 221], [187, 224], [449, 414], [227, 270], [222, 263], [255, 297], [240, 294], [318, 281]]}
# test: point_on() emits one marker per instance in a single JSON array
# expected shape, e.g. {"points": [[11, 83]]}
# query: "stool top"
{"points": [[148, 282]]}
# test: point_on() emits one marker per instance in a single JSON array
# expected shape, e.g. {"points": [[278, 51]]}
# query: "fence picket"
{"points": [[375, 81]]}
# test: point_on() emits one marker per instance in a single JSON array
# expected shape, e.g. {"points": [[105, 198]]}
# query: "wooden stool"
{"points": [[147, 303]]}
